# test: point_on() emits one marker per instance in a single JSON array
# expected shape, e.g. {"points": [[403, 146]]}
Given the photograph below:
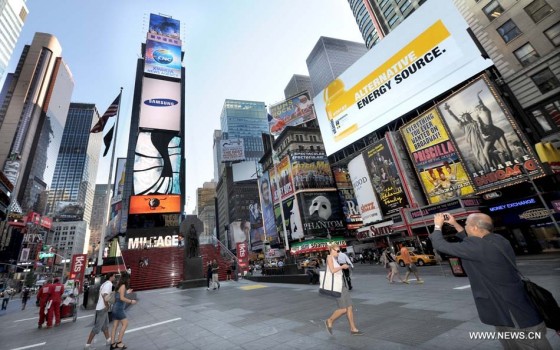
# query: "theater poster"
{"points": [[495, 152], [321, 213], [435, 159], [385, 178]]}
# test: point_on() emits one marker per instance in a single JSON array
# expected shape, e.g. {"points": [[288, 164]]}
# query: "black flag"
{"points": [[107, 140]]}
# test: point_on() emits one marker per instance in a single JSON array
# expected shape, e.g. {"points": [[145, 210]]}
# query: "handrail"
{"points": [[224, 249]]}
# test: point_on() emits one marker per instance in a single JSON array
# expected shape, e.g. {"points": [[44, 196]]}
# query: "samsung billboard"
{"points": [[423, 57], [161, 105]]}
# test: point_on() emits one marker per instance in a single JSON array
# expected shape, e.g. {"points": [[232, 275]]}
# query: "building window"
{"points": [[553, 34], [538, 10], [545, 80], [405, 6], [393, 20], [541, 119], [526, 54], [493, 10], [509, 31]]}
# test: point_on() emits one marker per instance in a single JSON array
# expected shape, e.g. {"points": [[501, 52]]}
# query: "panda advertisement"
{"points": [[322, 213]]}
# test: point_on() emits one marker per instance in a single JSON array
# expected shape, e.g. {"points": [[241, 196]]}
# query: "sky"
{"points": [[234, 49]]}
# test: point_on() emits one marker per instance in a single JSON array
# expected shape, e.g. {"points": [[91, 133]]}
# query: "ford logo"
{"points": [[160, 102], [163, 56]]}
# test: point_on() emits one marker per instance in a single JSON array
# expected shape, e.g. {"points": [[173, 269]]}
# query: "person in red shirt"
{"points": [[57, 289], [43, 296], [410, 266]]}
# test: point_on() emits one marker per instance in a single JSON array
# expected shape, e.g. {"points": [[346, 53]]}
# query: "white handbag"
{"points": [[330, 284]]}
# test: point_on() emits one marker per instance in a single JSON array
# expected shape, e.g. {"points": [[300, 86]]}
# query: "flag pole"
{"points": [[108, 191]]}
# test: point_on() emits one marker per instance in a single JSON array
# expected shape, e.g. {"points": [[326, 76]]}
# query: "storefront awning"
{"points": [[316, 245]]}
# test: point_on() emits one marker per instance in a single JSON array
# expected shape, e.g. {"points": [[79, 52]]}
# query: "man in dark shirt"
{"points": [[497, 289]]}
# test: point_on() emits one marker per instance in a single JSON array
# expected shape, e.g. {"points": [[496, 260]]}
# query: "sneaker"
{"points": [[419, 281], [89, 347], [107, 341], [356, 333], [406, 282]]}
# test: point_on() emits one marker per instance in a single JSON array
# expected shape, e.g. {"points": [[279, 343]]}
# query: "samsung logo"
{"points": [[163, 56], [160, 102]]}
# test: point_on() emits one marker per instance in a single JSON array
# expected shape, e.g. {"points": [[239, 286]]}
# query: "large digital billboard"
{"points": [[295, 110], [426, 55], [365, 195], [161, 105], [69, 211], [165, 26], [267, 207], [285, 183], [433, 154], [311, 170], [385, 178], [233, 150], [118, 186], [292, 218], [157, 163], [162, 59], [155, 204], [322, 214], [493, 148]]}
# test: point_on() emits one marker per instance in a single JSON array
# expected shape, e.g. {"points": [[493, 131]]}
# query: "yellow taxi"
{"points": [[417, 258]]}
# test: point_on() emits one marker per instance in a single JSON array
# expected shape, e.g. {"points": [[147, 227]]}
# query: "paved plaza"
{"points": [[248, 315]]}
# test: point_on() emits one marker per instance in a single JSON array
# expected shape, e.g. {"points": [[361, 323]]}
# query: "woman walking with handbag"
{"points": [[345, 301], [119, 316]]}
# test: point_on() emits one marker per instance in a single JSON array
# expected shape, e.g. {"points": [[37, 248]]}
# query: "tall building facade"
{"points": [[245, 120], [34, 113], [73, 185], [12, 17], [153, 193], [206, 208], [368, 24], [329, 58], [217, 153], [521, 37], [298, 83], [98, 212]]}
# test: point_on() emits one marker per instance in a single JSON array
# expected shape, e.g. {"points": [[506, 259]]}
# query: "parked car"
{"points": [[417, 258]]}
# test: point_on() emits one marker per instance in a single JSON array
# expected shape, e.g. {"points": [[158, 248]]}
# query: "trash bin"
{"points": [[457, 267]]}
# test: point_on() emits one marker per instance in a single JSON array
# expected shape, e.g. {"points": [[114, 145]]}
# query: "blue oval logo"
{"points": [[163, 56], [160, 102]]}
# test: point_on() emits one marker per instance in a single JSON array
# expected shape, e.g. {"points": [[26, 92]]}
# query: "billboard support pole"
{"points": [[108, 191]]}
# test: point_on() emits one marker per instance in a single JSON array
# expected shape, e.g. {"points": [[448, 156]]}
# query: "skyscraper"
{"points": [[329, 58], [98, 213], [365, 18], [33, 116], [245, 120], [12, 17], [76, 166], [298, 83]]}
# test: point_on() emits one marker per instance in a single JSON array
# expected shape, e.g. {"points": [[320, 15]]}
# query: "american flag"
{"points": [[111, 112]]}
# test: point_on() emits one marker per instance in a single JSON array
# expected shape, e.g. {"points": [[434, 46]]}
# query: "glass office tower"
{"points": [[246, 120], [76, 165]]}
